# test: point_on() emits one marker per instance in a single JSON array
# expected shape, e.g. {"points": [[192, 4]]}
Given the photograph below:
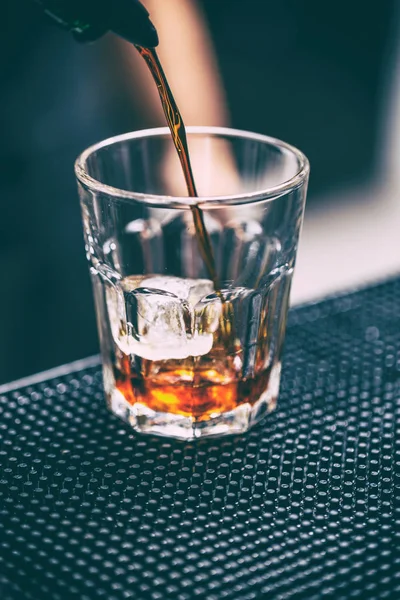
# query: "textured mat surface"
{"points": [[307, 505]]}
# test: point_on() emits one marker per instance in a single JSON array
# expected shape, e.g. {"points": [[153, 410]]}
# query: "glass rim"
{"points": [[180, 202]]}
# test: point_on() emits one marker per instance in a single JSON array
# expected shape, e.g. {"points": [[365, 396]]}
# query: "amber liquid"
{"points": [[191, 388], [200, 386]]}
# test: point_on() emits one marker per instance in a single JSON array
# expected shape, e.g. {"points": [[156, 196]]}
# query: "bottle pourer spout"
{"points": [[130, 20]]}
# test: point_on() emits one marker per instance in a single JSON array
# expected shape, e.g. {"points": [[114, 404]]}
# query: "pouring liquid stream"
{"points": [[178, 133]]}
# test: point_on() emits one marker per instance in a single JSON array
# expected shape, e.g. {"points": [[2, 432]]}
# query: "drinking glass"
{"points": [[186, 354]]}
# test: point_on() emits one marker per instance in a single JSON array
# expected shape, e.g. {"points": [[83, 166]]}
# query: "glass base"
{"points": [[236, 421]]}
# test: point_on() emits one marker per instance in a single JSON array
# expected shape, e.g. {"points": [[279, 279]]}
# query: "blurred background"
{"points": [[325, 78]]}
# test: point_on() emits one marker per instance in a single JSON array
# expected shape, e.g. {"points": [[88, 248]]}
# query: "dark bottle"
{"points": [[90, 19]]}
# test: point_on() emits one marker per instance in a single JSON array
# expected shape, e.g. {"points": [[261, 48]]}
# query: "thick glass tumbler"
{"points": [[186, 354]]}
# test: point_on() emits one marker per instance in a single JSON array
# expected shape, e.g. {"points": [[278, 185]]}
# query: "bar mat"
{"points": [[306, 505]]}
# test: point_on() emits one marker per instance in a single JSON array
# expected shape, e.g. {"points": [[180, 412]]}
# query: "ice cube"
{"points": [[158, 324], [161, 323], [190, 291]]}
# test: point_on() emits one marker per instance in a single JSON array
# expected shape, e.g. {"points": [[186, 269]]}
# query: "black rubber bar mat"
{"points": [[306, 505]]}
